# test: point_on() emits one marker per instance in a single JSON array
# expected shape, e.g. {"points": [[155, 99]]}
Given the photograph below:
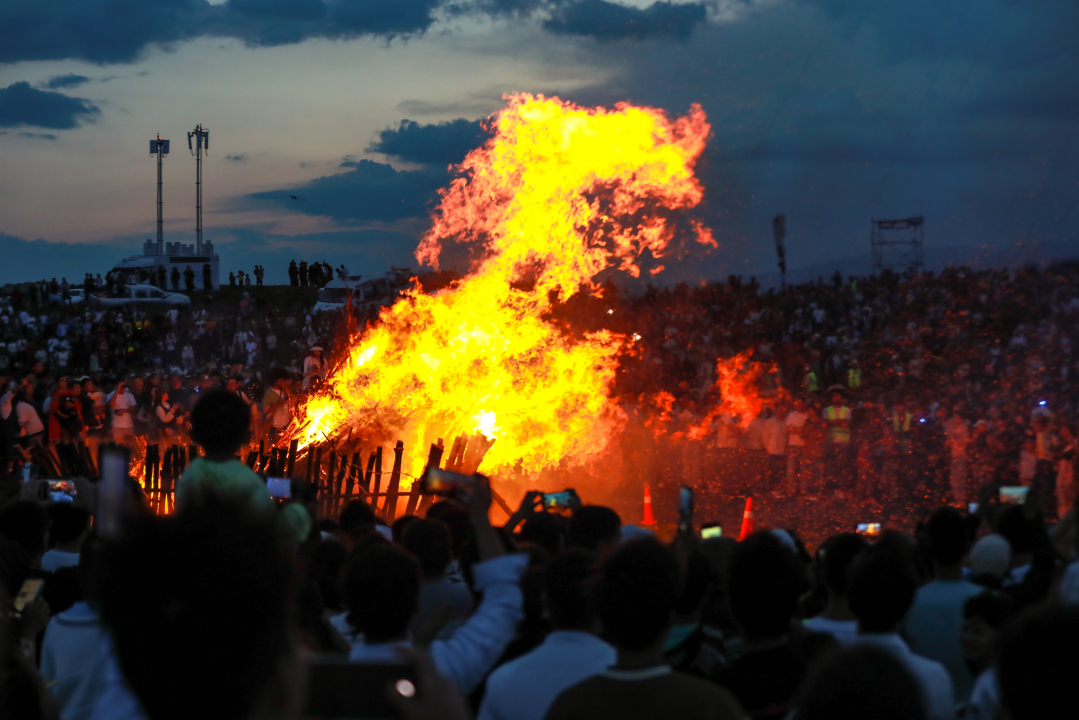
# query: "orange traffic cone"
{"points": [[648, 517], [747, 520]]}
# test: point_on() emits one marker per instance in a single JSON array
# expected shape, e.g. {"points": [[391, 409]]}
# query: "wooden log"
{"points": [[378, 475], [317, 475], [453, 462], [478, 446], [434, 459], [148, 468], [370, 473], [353, 474], [251, 457], [501, 503], [338, 489], [389, 510], [328, 495], [290, 468]]}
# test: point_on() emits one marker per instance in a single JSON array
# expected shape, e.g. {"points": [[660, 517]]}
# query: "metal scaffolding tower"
{"points": [[897, 244], [160, 148], [201, 139]]}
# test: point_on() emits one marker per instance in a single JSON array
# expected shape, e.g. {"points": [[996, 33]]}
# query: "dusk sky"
{"points": [[831, 111]]}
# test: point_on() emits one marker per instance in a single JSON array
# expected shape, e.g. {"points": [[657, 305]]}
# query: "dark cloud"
{"points": [[368, 191], [117, 31], [236, 158], [66, 81], [818, 113], [21, 104], [443, 144], [37, 136], [609, 21]]}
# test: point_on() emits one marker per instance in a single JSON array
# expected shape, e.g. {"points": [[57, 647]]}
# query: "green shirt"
{"points": [[234, 479], [230, 479]]}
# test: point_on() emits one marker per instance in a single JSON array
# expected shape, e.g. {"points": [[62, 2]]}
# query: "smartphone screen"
{"points": [[869, 529], [972, 508], [62, 490], [715, 531], [279, 487], [556, 501], [340, 689], [28, 593], [441, 482], [1015, 495]]}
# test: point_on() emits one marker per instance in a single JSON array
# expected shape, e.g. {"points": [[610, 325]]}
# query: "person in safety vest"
{"points": [[838, 462]]}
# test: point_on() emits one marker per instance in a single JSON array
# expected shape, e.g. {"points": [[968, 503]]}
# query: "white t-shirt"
{"points": [[795, 421], [844, 631], [28, 419], [124, 420]]}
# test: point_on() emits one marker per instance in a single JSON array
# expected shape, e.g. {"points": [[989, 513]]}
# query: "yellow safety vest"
{"points": [[811, 382], [854, 377], [837, 433]]}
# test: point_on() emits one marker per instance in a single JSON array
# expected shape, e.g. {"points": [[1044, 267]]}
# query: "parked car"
{"points": [[139, 294], [77, 295]]}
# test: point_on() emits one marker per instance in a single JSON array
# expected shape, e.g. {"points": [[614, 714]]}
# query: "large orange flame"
{"points": [[558, 194]]}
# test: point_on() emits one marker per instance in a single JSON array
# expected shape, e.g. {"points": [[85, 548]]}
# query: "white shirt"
{"points": [[1069, 585], [470, 653], [5, 404], [984, 700], [71, 661], [844, 631], [125, 420], [525, 688], [774, 436], [932, 628], [28, 418], [932, 678], [795, 421], [55, 559]]}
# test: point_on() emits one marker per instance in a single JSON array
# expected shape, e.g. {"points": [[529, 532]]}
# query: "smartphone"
{"points": [[1014, 495], [111, 493], [972, 508], [28, 593], [279, 487], [444, 482], [711, 531], [556, 501], [61, 490], [340, 689], [872, 529], [685, 509]]}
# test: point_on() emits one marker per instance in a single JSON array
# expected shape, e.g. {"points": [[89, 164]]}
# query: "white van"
{"points": [[334, 294], [379, 291]]}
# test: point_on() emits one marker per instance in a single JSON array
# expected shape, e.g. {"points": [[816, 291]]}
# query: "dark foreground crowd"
{"points": [[246, 605]]}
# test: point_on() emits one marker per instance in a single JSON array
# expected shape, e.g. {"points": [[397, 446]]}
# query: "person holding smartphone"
{"points": [[276, 403], [123, 406]]}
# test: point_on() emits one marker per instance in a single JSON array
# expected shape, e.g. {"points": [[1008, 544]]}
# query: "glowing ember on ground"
{"points": [[557, 195]]}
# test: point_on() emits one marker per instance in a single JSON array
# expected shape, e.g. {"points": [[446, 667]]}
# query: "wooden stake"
{"points": [[389, 512]]}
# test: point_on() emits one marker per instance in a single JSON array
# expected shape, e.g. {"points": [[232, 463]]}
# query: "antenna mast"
{"points": [[160, 148], [201, 138]]}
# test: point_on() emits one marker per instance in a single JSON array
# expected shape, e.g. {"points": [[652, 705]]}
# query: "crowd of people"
{"points": [[942, 386], [72, 373], [247, 604]]}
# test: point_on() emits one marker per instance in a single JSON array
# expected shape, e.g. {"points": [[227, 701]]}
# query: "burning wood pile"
{"points": [[559, 194]]}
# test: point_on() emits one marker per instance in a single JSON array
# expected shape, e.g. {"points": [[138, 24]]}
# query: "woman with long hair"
{"points": [[167, 416]]}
